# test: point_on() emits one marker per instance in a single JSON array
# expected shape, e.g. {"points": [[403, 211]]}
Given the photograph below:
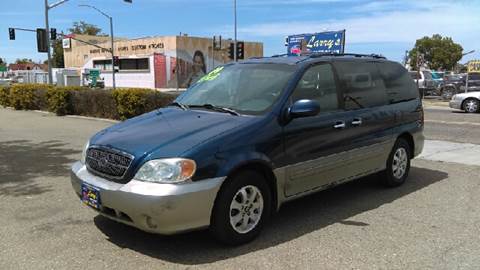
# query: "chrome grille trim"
{"points": [[108, 162]]}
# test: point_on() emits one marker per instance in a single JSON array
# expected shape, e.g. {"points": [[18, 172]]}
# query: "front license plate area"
{"points": [[91, 196]]}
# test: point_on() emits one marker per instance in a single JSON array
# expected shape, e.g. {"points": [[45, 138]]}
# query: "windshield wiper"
{"points": [[216, 108], [348, 97], [178, 104]]}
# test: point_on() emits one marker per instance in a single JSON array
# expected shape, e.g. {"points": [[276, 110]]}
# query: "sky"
{"points": [[383, 27]]}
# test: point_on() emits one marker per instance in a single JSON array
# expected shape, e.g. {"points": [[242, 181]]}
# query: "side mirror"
{"points": [[304, 108]]}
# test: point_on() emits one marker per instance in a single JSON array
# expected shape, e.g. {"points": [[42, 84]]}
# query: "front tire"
{"points": [[241, 209], [471, 105], [398, 164]]}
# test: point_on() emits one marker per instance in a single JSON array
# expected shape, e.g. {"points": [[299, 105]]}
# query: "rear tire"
{"points": [[241, 209], [398, 164]]}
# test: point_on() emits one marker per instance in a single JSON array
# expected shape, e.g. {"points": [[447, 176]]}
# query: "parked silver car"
{"points": [[469, 102]]}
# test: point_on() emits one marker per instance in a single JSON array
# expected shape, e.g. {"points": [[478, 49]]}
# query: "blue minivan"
{"points": [[250, 136]]}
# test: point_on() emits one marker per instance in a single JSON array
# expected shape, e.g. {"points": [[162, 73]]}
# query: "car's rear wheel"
{"points": [[398, 164], [448, 92], [241, 209], [471, 105]]}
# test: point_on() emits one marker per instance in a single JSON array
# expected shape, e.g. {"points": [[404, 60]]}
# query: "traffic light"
{"points": [[53, 34], [231, 51], [116, 61], [11, 33], [240, 50], [42, 37]]}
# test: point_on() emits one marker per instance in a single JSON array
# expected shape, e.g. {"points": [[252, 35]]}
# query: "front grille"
{"points": [[107, 162]]}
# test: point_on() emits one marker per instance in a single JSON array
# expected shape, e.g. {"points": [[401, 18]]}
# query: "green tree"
{"points": [[79, 28], [57, 53], [2, 62], [83, 28], [23, 61], [439, 52]]}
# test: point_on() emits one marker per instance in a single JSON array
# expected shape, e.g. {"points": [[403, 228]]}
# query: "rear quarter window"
{"points": [[362, 85], [398, 82]]}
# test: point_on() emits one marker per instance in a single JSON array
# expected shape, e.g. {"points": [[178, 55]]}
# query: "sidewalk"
{"points": [[444, 151]]}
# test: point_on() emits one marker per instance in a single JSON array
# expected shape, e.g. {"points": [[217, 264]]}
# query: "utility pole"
{"points": [[235, 26], [113, 55]]}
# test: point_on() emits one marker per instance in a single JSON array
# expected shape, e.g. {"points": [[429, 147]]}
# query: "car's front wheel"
{"points": [[471, 105], [241, 209]]}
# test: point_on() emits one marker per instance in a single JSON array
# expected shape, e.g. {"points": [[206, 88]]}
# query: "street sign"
{"points": [[324, 42], [66, 43], [473, 66], [3, 69], [94, 74]]}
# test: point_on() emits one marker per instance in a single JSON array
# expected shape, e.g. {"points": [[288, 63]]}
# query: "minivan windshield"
{"points": [[244, 88]]}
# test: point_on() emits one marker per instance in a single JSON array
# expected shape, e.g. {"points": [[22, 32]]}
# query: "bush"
{"points": [[28, 96], [59, 99], [133, 102], [94, 103], [119, 104], [5, 96]]}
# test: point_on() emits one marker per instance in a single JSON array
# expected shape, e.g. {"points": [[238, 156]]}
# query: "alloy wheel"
{"points": [[471, 106], [246, 209]]}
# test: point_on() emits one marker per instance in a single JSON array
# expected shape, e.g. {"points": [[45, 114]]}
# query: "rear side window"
{"points": [[398, 83], [363, 87], [318, 83]]}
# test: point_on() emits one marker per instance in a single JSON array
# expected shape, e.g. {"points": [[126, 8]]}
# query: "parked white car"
{"points": [[469, 102]]}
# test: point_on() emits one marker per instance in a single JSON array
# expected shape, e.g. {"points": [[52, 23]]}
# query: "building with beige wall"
{"points": [[152, 62]]}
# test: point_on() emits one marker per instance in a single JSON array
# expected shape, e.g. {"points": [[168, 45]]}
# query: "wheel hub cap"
{"points": [[246, 209], [471, 106], [400, 162]]}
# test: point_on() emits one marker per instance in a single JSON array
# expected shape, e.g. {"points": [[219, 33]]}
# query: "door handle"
{"points": [[357, 121], [339, 125]]}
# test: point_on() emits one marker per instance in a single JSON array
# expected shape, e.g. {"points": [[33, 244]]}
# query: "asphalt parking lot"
{"points": [[431, 222]]}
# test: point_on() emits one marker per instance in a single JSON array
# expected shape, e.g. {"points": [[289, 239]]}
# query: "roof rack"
{"points": [[316, 55]]}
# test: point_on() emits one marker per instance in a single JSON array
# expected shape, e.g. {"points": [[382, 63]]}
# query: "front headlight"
{"points": [[170, 170], [454, 97], [84, 152]]}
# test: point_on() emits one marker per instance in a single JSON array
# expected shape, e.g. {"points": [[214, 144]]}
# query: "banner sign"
{"points": [[474, 66], [324, 42]]}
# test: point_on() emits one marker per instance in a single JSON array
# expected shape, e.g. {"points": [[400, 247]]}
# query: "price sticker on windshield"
{"points": [[212, 75]]}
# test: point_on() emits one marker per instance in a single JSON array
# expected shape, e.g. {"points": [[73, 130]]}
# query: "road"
{"points": [[452, 125], [431, 222]]}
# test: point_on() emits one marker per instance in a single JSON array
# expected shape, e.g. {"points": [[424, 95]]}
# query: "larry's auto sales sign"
{"points": [[324, 42]]}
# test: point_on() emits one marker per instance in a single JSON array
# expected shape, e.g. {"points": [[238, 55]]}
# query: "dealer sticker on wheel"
{"points": [[91, 196]]}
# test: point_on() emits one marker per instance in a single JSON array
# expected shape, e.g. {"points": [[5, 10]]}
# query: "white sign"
{"points": [[66, 43]]}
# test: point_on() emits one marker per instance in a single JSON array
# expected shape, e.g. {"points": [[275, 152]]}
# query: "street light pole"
{"points": [[111, 40], [49, 54], [235, 26]]}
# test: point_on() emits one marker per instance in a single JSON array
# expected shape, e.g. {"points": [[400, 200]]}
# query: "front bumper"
{"points": [[152, 207], [455, 104]]}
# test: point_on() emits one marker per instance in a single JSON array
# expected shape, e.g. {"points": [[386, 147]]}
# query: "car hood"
{"points": [[475, 94], [167, 132]]}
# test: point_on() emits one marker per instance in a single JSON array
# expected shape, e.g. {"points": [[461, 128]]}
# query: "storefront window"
{"points": [[134, 64]]}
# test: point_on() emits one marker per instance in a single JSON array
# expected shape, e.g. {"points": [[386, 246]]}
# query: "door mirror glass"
{"points": [[304, 108]]}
